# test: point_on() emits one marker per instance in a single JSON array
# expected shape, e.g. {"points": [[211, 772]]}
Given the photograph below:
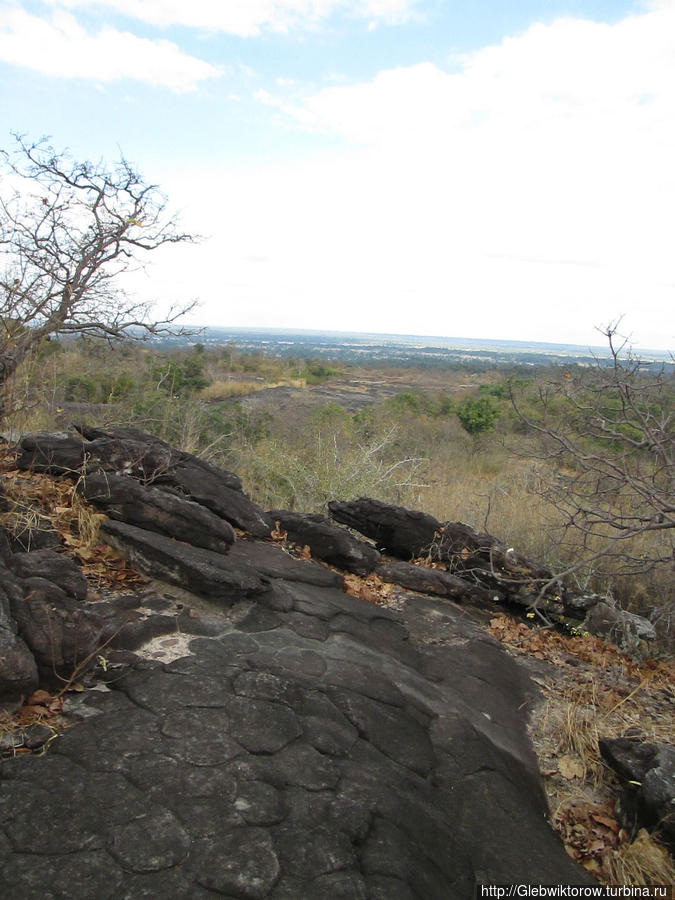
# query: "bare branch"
{"points": [[66, 235], [610, 431]]}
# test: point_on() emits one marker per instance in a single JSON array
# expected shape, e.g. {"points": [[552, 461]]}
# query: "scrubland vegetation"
{"points": [[484, 448]]}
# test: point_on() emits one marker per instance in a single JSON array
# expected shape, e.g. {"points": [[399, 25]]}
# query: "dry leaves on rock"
{"points": [[37, 500], [370, 588], [41, 708]]}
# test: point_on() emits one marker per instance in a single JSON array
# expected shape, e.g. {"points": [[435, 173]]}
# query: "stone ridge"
{"points": [[318, 751], [306, 744]]}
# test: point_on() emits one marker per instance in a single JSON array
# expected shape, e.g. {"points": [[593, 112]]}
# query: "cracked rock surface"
{"points": [[300, 743], [316, 747]]}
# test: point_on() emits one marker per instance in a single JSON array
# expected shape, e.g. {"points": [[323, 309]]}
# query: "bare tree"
{"points": [[68, 230], [610, 431]]}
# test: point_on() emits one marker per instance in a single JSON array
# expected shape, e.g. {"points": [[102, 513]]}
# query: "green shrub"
{"points": [[79, 389], [477, 415]]}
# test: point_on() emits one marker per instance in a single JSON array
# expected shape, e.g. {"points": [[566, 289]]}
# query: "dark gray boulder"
{"points": [[326, 541], [157, 462], [475, 557], [59, 631], [409, 533], [131, 452], [52, 454], [622, 628], [166, 455], [18, 670], [223, 576], [403, 532], [647, 775], [126, 499], [205, 485], [54, 567], [435, 581]]}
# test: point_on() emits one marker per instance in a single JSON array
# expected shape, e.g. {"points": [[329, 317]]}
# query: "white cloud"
{"points": [[527, 196], [249, 17], [538, 179], [60, 47]]}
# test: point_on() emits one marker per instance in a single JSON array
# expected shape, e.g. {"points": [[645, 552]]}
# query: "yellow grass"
{"points": [[227, 390]]}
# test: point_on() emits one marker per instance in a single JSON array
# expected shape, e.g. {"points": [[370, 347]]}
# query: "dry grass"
{"points": [[642, 862], [38, 502], [493, 493], [594, 692], [229, 390]]}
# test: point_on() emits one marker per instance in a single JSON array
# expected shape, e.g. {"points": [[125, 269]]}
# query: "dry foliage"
{"points": [[37, 502], [41, 708], [593, 692], [228, 390], [370, 588]]}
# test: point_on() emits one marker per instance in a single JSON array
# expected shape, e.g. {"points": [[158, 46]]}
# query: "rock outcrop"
{"points": [[647, 775], [303, 743], [316, 747], [326, 541], [125, 499]]}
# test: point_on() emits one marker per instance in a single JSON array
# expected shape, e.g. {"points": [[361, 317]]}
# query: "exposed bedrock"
{"points": [[43, 624], [320, 747], [327, 541], [200, 570], [436, 581], [131, 452], [126, 499], [306, 744], [18, 669], [409, 534], [647, 775], [403, 532]]}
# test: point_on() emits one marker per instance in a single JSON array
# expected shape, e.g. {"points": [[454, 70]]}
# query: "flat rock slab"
{"points": [[319, 747]]}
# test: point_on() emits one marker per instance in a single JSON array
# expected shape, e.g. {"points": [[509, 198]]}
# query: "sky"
{"points": [[484, 169]]}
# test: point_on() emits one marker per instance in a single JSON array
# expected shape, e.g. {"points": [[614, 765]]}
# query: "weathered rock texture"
{"points": [[316, 748], [18, 669], [131, 452], [327, 541], [647, 775], [123, 498], [203, 571], [309, 744], [43, 624], [408, 534]]}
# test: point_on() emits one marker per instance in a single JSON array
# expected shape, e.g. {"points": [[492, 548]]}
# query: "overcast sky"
{"points": [[478, 169]]}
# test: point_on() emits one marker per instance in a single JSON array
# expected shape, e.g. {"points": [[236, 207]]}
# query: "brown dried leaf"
{"points": [[571, 768], [38, 697], [608, 821]]}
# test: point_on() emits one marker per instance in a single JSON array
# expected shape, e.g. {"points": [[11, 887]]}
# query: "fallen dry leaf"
{"points": [[609, 822], [571, 768], [38, 698]]}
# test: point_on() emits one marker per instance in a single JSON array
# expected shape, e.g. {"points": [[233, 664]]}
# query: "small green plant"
{"points": [[477, 415]]}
